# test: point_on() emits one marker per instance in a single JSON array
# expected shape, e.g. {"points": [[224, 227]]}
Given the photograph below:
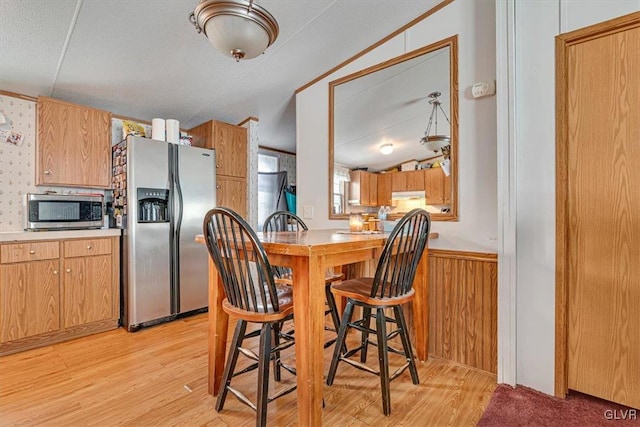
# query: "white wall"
{"points": [[536, 25], [474, 22]]}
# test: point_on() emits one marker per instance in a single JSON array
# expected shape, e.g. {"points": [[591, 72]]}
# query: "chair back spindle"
{"points": [[241, 262], [401, 255]]}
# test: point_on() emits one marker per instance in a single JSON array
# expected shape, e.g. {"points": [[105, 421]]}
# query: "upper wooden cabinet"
{"points": [[384, 189], [74, 145], [408, 181], [230, 143], [437, 187], [363, 188]]}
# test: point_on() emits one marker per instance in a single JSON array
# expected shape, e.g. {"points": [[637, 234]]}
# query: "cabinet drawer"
{"points": [[87, 247], [29, 251]]}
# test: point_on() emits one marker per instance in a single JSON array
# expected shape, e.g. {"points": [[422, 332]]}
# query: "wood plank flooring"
{"points": [[158, 377]]}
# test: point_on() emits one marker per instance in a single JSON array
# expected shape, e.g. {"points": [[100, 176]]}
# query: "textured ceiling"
{"points": [[143, 59]]}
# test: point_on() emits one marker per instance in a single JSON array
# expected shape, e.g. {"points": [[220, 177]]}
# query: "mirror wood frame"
{"points": [[452, 43]]}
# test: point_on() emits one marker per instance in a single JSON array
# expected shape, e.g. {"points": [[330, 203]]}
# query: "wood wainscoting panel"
{"points": [[463, 307]]}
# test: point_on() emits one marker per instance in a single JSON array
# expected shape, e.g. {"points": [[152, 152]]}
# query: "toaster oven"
{"points": [[62, 211]]}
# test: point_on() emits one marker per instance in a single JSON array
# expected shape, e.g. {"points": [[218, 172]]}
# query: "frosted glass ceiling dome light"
{"points": [[435, 142], [238, 28], [386, 149]]}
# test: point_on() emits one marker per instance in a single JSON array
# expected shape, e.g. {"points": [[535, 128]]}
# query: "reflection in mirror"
{"points": [[393, 136]]}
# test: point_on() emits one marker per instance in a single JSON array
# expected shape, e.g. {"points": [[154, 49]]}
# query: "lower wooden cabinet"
{"points": [[29, 299], [88, 294], [73, 292]]}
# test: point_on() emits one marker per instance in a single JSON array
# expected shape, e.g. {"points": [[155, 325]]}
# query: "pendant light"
{"points": [[436, 142], [238, 28]]}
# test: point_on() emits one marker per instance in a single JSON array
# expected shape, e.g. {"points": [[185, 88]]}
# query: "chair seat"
{"points": [[285, 303], [360, 290]]}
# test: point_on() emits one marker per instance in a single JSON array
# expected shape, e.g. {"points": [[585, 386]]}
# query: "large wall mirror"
{"points": [[393, 136]]}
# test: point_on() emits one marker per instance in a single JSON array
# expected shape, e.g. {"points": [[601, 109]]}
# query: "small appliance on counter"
{"points": [[62, 211]]}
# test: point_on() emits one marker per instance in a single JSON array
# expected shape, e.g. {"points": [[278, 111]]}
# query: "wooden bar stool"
{"points": [[287, 221], [391, 287], [251, 296]]}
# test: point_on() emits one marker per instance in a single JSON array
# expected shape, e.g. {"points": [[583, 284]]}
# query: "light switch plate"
{"points": [[307, 212]]}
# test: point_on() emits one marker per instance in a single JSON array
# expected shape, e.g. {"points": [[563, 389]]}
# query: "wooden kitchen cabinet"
{"points": [[73, 146], [231, 145], [29, 299], [384, 189], [232, 193], [89, 294], [53, 291], [434, 186], [408, 181], [363, 188]]}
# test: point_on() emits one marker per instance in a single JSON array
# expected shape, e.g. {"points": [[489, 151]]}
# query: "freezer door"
{"points": [[147, 279], [195, 195]]}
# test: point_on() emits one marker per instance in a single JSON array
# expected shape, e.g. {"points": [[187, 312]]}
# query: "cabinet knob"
{"points": [[47, 172], [217, 186], [32, 252], [217, 166], [88, 247], [55, 272], [68, 270]]}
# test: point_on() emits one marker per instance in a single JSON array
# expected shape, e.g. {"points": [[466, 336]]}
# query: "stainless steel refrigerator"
{"points": [[161, 193]]}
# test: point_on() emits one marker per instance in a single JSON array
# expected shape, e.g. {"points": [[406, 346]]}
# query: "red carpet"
{"points": [[523, 406]]}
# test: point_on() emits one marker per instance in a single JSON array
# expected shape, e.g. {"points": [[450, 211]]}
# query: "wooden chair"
{"points": [[251, 296], [287, 221], [391, 287]]}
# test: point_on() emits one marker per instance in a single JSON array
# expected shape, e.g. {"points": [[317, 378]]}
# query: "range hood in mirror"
{"points": [[407, 195]]}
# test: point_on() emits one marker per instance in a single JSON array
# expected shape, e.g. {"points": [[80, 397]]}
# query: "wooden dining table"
{"points": [[309, 254]]}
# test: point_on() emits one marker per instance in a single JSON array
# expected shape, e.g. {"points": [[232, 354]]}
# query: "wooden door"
{"points": [[29, 299], [599, 205], [74, 145], [231, 149], [232, 193], [88, 290]]}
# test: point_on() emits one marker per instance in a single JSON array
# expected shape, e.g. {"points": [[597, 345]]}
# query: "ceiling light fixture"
{"points": [[386, 149], [237, 28], [436, 142]]}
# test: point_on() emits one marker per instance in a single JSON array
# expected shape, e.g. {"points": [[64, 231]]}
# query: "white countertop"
{"points": [[17, 236]]}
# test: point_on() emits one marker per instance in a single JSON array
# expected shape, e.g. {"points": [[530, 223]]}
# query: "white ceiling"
{"points": [[143, 58], [391, 106]]}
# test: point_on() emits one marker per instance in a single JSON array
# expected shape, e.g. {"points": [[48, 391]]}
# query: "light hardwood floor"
{"points": [[157, 377]]}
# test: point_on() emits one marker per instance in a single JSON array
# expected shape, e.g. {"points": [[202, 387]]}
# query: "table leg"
{"points": [[308, 312], [420, 308], [218, 324]]}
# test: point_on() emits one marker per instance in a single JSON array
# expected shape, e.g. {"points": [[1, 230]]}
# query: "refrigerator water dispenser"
{"points": [[153, 205]]}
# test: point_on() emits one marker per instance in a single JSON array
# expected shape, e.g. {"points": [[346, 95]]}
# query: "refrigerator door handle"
{"points": [[173, 242], [178, 224]]}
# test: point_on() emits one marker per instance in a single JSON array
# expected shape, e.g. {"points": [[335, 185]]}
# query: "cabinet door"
{"points": [[415, 180], [434, 186], [230, 143], [384, 189], [29, 299], [74, 145], [372, 199], [446, 189], [232, 193], [88, 291]]}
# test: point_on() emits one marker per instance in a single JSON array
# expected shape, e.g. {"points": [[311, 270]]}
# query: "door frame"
{"points": [[563, 43]]}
